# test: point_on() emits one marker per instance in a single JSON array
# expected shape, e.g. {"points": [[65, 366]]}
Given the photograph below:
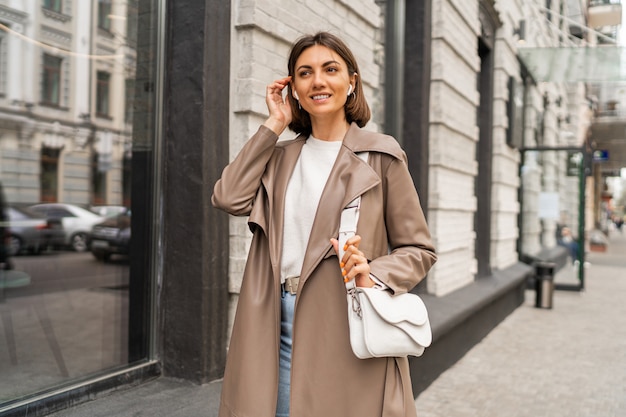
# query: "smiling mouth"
{"points": [[321, 96]]}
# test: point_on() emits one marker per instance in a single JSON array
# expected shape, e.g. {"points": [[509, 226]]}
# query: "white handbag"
{"points": [[381, 324]]}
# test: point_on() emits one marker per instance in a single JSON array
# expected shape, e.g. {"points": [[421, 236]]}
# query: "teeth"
{"points": [[320, 97]]}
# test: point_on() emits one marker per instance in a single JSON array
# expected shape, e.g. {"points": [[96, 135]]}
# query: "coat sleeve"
{"points": [[235, 191], [411, 251]]}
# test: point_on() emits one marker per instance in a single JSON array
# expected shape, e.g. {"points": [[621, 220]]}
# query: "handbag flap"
{"points": [[397, 308], [405, 313]]}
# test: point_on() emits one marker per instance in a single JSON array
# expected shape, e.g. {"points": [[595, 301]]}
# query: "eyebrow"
{"points": [[325, 64]]}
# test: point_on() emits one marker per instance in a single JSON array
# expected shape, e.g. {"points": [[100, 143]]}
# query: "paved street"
{"points": [[569, 361]]}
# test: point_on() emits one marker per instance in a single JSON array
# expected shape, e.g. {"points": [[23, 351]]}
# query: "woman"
{"points": [[289, 352]]}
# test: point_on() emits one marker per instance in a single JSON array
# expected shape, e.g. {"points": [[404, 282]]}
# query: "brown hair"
{"points": [[356, 107]]}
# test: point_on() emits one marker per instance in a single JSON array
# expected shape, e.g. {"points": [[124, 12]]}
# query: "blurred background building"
{"points": [[511, 113]]}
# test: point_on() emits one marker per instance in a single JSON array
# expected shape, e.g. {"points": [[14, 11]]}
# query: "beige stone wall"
{"points": [[453, 135], [262, 34], [261, 37]]}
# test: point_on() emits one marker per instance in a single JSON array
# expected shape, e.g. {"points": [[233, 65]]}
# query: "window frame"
{"points": [[53, 5], [49, 163], [48, 72], [103, 94], [104, 10]]}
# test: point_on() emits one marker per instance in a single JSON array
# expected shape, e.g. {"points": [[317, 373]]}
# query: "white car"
{"points": [[108, 211], [77, 222]]}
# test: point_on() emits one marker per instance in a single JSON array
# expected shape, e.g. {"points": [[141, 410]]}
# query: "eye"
{"points": [[332, 69], [304, 73]]}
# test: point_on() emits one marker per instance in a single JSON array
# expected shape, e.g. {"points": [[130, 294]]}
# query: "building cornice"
{"points": [[56, 35], [12, 15]]}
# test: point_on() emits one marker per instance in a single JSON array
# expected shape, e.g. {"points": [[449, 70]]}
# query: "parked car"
{"points": [[111, 237], [77, 222], [108, 211], [31, 232], [5, 260]]}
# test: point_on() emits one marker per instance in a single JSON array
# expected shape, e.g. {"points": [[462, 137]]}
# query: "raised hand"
{"points": [[279, 108]]}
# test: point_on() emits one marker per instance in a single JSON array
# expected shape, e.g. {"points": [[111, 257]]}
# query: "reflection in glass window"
{"points": [[75, 122], [54, 5], [129, 90], [102, 93], [98, 180], [3, 64], [49, 174], [104, 14], [51, 82]]}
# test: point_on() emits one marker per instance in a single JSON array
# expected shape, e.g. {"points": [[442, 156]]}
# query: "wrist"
{"points": [[275, 125], [365, 281]]}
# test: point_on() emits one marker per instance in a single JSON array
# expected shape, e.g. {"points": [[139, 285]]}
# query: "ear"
{"points": [[353, 81]]}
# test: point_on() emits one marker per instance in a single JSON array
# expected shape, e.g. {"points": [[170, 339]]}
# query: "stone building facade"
{"points": [[445, 77]]}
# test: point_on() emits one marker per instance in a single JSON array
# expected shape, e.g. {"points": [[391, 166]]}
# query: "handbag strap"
{"points": [[349, 220]]}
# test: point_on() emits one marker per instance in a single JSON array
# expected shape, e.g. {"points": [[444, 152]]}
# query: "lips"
{"points": [[320, 96]]}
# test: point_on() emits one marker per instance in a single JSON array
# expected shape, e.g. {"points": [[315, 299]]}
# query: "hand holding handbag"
{"points": [[381, 324]]}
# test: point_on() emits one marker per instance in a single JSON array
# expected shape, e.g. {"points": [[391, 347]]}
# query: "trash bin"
{"points": [[544, 284]]}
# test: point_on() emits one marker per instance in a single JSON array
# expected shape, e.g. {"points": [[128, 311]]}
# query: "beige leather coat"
{"points": [[327, 379]]}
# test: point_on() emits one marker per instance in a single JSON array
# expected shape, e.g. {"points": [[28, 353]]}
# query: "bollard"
{"points": [[544, 284]]}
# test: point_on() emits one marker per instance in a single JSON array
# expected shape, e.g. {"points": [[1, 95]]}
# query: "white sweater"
{"points": [[301, 200]]}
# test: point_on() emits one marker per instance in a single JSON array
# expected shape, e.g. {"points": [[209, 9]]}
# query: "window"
{"points": [[3, 64], [49, 177], [129, 91], [102, 93], [131, 22], [515, 112], [104, 13], [72, 331], [54, 5], [51, 83], [98, 180]]}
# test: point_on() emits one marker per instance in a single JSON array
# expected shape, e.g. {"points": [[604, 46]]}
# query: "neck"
{"points": [[329, 130]]}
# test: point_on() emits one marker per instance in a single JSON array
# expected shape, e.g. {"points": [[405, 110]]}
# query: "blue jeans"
{"points": [[288, 303]]}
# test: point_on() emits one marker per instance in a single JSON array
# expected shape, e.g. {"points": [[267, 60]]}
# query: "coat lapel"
{"points": [[349, 178], [280, 172]]}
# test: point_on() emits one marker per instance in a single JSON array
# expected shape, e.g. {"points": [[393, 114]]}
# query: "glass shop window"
{"points": [[75, 289]]}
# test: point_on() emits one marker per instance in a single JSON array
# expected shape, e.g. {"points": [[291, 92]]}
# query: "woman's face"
{"points": [[321, 82]]}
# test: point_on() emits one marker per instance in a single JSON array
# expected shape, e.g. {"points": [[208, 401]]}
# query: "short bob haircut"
{"points": [[356, 107]]}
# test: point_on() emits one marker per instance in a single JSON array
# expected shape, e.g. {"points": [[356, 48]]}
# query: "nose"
{"points": [[318, 79]]}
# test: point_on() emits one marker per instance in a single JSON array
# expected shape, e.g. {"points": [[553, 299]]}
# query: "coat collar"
{"points": [[360, 140]]}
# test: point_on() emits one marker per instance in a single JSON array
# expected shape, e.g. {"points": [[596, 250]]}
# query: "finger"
{"points": [[354, 241], [335, 244], [353, 261], [360, 269], [280, 84], [274, 89], [284, 81], [350, 250]]}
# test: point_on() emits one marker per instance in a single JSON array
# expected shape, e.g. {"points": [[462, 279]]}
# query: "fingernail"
{"points": [[343, 272], [341, 264], [346, 280], [345, 247]]}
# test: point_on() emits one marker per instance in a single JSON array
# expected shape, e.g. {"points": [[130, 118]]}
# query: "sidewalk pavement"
{"points": [[566, 361]]}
